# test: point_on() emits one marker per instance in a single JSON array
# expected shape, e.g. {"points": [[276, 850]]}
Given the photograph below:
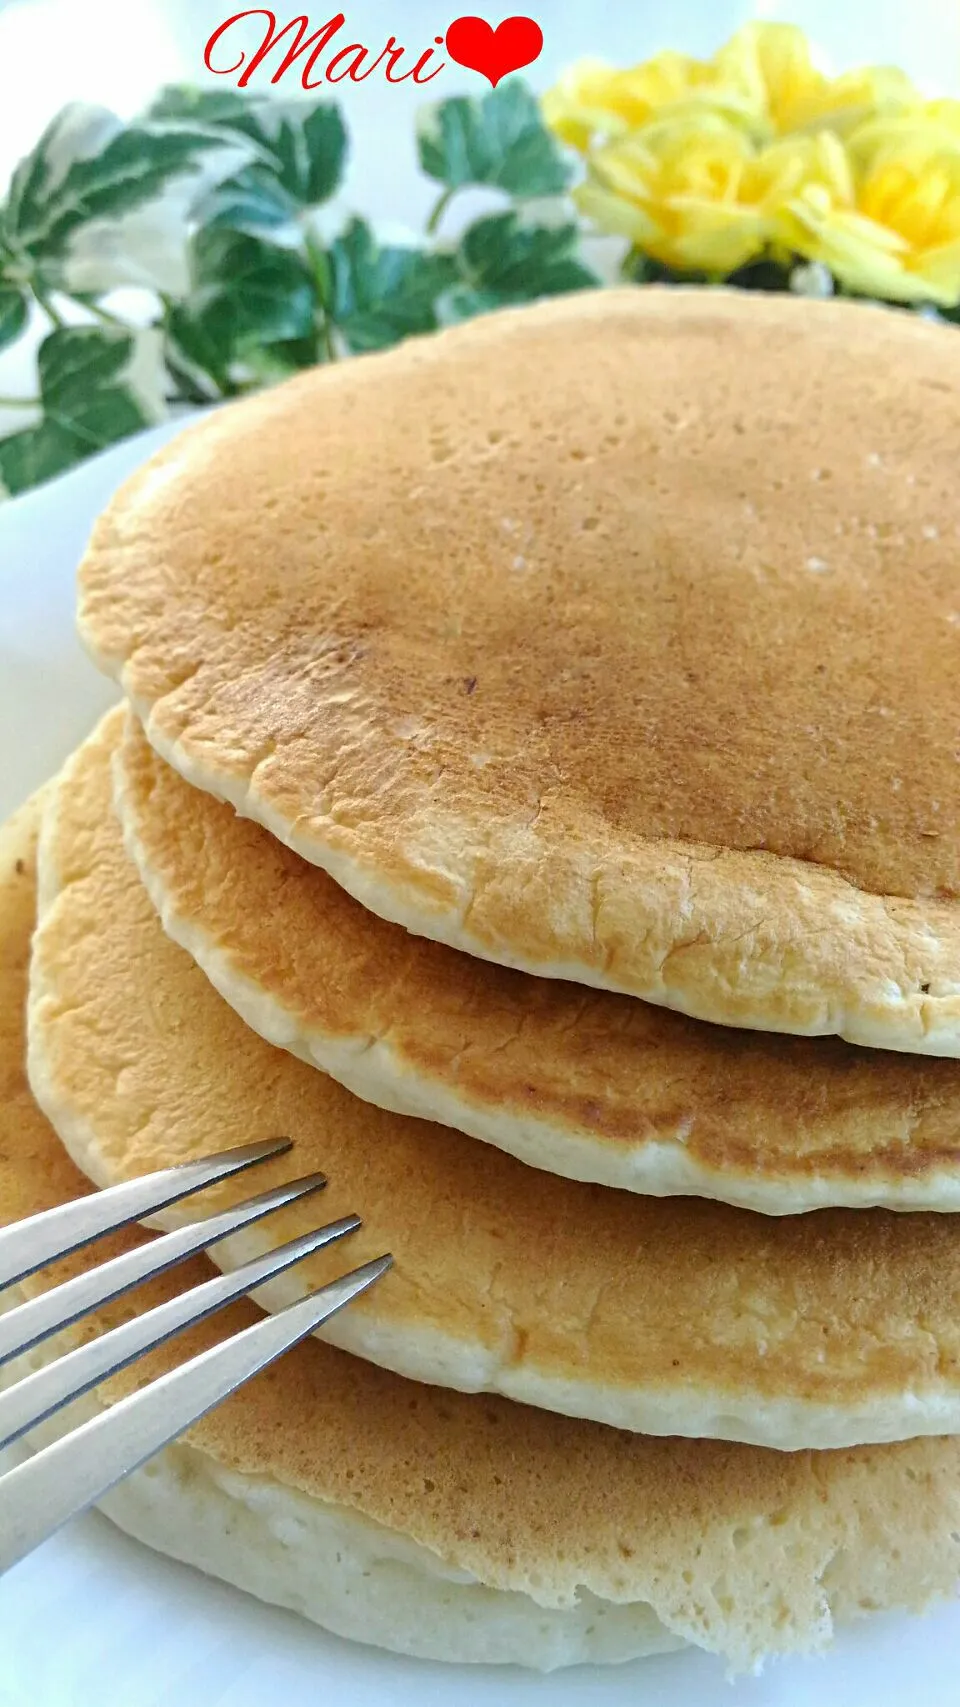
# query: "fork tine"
{"points": [[31, 1244], [45, 1492], [38, 1395], [32, 1322]]}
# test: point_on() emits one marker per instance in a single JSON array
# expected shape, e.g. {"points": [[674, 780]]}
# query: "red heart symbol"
{"points": [[494, 52]]}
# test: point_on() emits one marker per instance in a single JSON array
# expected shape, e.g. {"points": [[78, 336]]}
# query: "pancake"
{"points": [[471, 1528], [584, 1083], [612, 638], [666, 1316]]}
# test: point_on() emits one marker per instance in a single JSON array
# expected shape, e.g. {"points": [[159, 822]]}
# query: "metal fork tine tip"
{"points": [[39, 1395], [29, 1323], [41, 1239], [65, 1478]]}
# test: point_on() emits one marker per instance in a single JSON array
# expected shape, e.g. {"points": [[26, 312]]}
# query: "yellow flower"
{"points": [[772, 66], [883, 213], [763, 79], [593, 101], [696, 194], [945, 113], [704, 165]]}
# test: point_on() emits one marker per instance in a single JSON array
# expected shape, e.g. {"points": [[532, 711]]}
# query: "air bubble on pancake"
{"points": [[407, 728]]}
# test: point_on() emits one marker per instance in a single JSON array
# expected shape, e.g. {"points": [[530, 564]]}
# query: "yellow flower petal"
{"points": [[772, 64], [703, 237], [695, 184], [843, 103], [592, 102], [614, 214], [941, 271], [945, 114], [587, 102], [896, 233]]}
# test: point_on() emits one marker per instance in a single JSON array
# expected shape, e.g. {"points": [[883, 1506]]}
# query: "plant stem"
{"points": [[320, 267], [440, 208], [326, 336], [104, 315], [52, 313]]}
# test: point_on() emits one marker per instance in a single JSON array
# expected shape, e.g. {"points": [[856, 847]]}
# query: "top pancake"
{"points": [[586, 1083], [613, 638], [520, 1500]]}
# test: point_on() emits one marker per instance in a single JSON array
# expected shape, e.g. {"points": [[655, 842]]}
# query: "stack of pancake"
{"points": [[536, 795]]}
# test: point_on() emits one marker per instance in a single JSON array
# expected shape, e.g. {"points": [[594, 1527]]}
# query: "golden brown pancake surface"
{"points": [[614, 638]]}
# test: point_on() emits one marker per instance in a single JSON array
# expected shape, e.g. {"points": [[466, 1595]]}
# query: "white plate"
{"points": [[95, 1620]]}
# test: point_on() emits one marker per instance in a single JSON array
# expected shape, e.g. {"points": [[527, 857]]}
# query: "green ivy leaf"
{"points": [[184, 103], [86, 405], [305, 145], [197, 349], [465, 303], [248, 295], [79, 360], [14, 314], [36, 454], [268, 364], [104, 419], [380, 295], [267, 292], [499, 140], [316, 166], [205, 348], [503, 260], [74, 176], [254, 200]]}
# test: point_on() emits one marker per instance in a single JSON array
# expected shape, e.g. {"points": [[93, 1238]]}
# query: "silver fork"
{"points": [[44, 1492]]}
